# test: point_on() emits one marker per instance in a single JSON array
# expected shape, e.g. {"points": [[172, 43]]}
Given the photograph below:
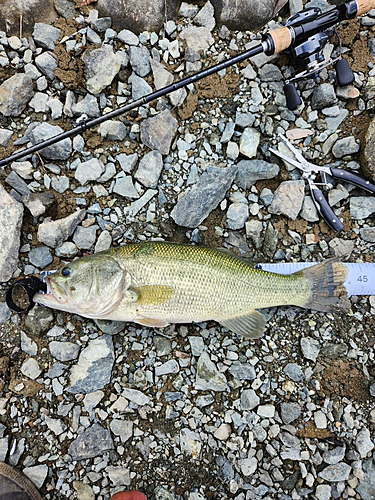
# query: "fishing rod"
{"points": [[304, 37]]}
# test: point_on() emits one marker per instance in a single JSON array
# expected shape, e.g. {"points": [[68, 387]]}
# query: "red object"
{"points": [[129, 495]]}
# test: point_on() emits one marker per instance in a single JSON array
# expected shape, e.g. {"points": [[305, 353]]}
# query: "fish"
{"points": [[157, 283]]}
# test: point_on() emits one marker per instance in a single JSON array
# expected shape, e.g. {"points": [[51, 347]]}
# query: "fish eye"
{"points": [[66, 271]]}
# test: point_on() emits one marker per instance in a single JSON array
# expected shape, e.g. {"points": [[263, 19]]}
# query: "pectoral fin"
{"points": [[152, 295], [250, 325], [153, 322]]}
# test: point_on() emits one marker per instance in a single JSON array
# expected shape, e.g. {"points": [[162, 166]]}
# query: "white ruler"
{"points": [[360, 280]]}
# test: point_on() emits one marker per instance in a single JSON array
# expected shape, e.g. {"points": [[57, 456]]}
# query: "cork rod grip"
{"points": [[364, 6], [282, 38]]}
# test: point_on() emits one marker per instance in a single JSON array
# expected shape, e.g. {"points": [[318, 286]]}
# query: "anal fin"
{"points": [[152, 322], [250, 325]]}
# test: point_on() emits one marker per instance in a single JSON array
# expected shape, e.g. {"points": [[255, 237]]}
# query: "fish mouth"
{"points": [[54, 295]]}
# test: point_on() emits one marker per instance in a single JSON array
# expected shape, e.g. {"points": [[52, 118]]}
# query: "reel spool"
{"points": [[309, 53]]}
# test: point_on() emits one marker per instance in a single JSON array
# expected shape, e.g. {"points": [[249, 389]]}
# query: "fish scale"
{"points": [[207, 283]]}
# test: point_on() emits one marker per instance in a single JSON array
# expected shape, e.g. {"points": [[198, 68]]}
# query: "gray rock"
{"points": [[37, 474], [38, 202], [101, 66], [320, 420], [158, 131], [249, 142], [90, 170], [60, 183], [335, 455], [140, 87], [67, 249], [85, 237], [65, 8], [249, 399], [228, 132], [47, 63], [323, 96], [137, 397], [294, 372], [251, 171], [92, 442], [162, 77], [14, 180], [310, 348], [63, 351], [288, 199], [345, 146], [87, 106], [5, 136], [122, 428], [170, 366], [110, 327], [59, 151], [149, 169], [336, 195], [362, 207], [124, 187], [198, 202], [31, 369], [368, 234], [323, 492], [39, 102], [40, 257], [128, 37], [39, 320], [140, 60], [237, 215], [113, 130], [93, 369], [4, 446], [191, 444], [330, 350], [341, 247], [127, 162], [5, 312], [46, 35], [205, 16], [369, 151], [366, 487], [363, 442], [11, 213], [245, 15], [290, 412], [335, 473], [309, 211], [15, 93], [196, 344], [28, 345], [242, 371], [334, 122], [54, 233], [270, 73], [196, 39], [208, 378]]}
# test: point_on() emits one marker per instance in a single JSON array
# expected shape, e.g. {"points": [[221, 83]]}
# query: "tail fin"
{"points": [[328, 293]]}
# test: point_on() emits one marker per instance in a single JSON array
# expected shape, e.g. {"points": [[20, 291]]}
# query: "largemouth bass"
{"points": [[156, 284]]}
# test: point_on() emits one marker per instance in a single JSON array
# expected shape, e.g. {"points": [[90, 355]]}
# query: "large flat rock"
{"points": [[33, 11]]}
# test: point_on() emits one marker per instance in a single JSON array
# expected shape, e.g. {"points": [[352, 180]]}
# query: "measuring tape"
{"points": [[360, 280]]}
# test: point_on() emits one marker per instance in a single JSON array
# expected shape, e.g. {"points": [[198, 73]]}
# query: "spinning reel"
{"points": [[309, 53]]}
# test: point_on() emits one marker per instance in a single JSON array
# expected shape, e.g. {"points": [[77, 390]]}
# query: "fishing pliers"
{"points": [[310, 172]]}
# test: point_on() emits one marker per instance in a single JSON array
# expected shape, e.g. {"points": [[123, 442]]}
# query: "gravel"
{"points": [[189, 412]]}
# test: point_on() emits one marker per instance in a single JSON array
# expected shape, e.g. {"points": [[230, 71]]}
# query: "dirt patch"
{"points": [[351, 385], [188, 109], [359, 55], [214, 87], [310, 431]]}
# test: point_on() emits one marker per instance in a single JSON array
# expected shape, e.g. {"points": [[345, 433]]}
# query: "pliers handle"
{"points": [[309, 173]]}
